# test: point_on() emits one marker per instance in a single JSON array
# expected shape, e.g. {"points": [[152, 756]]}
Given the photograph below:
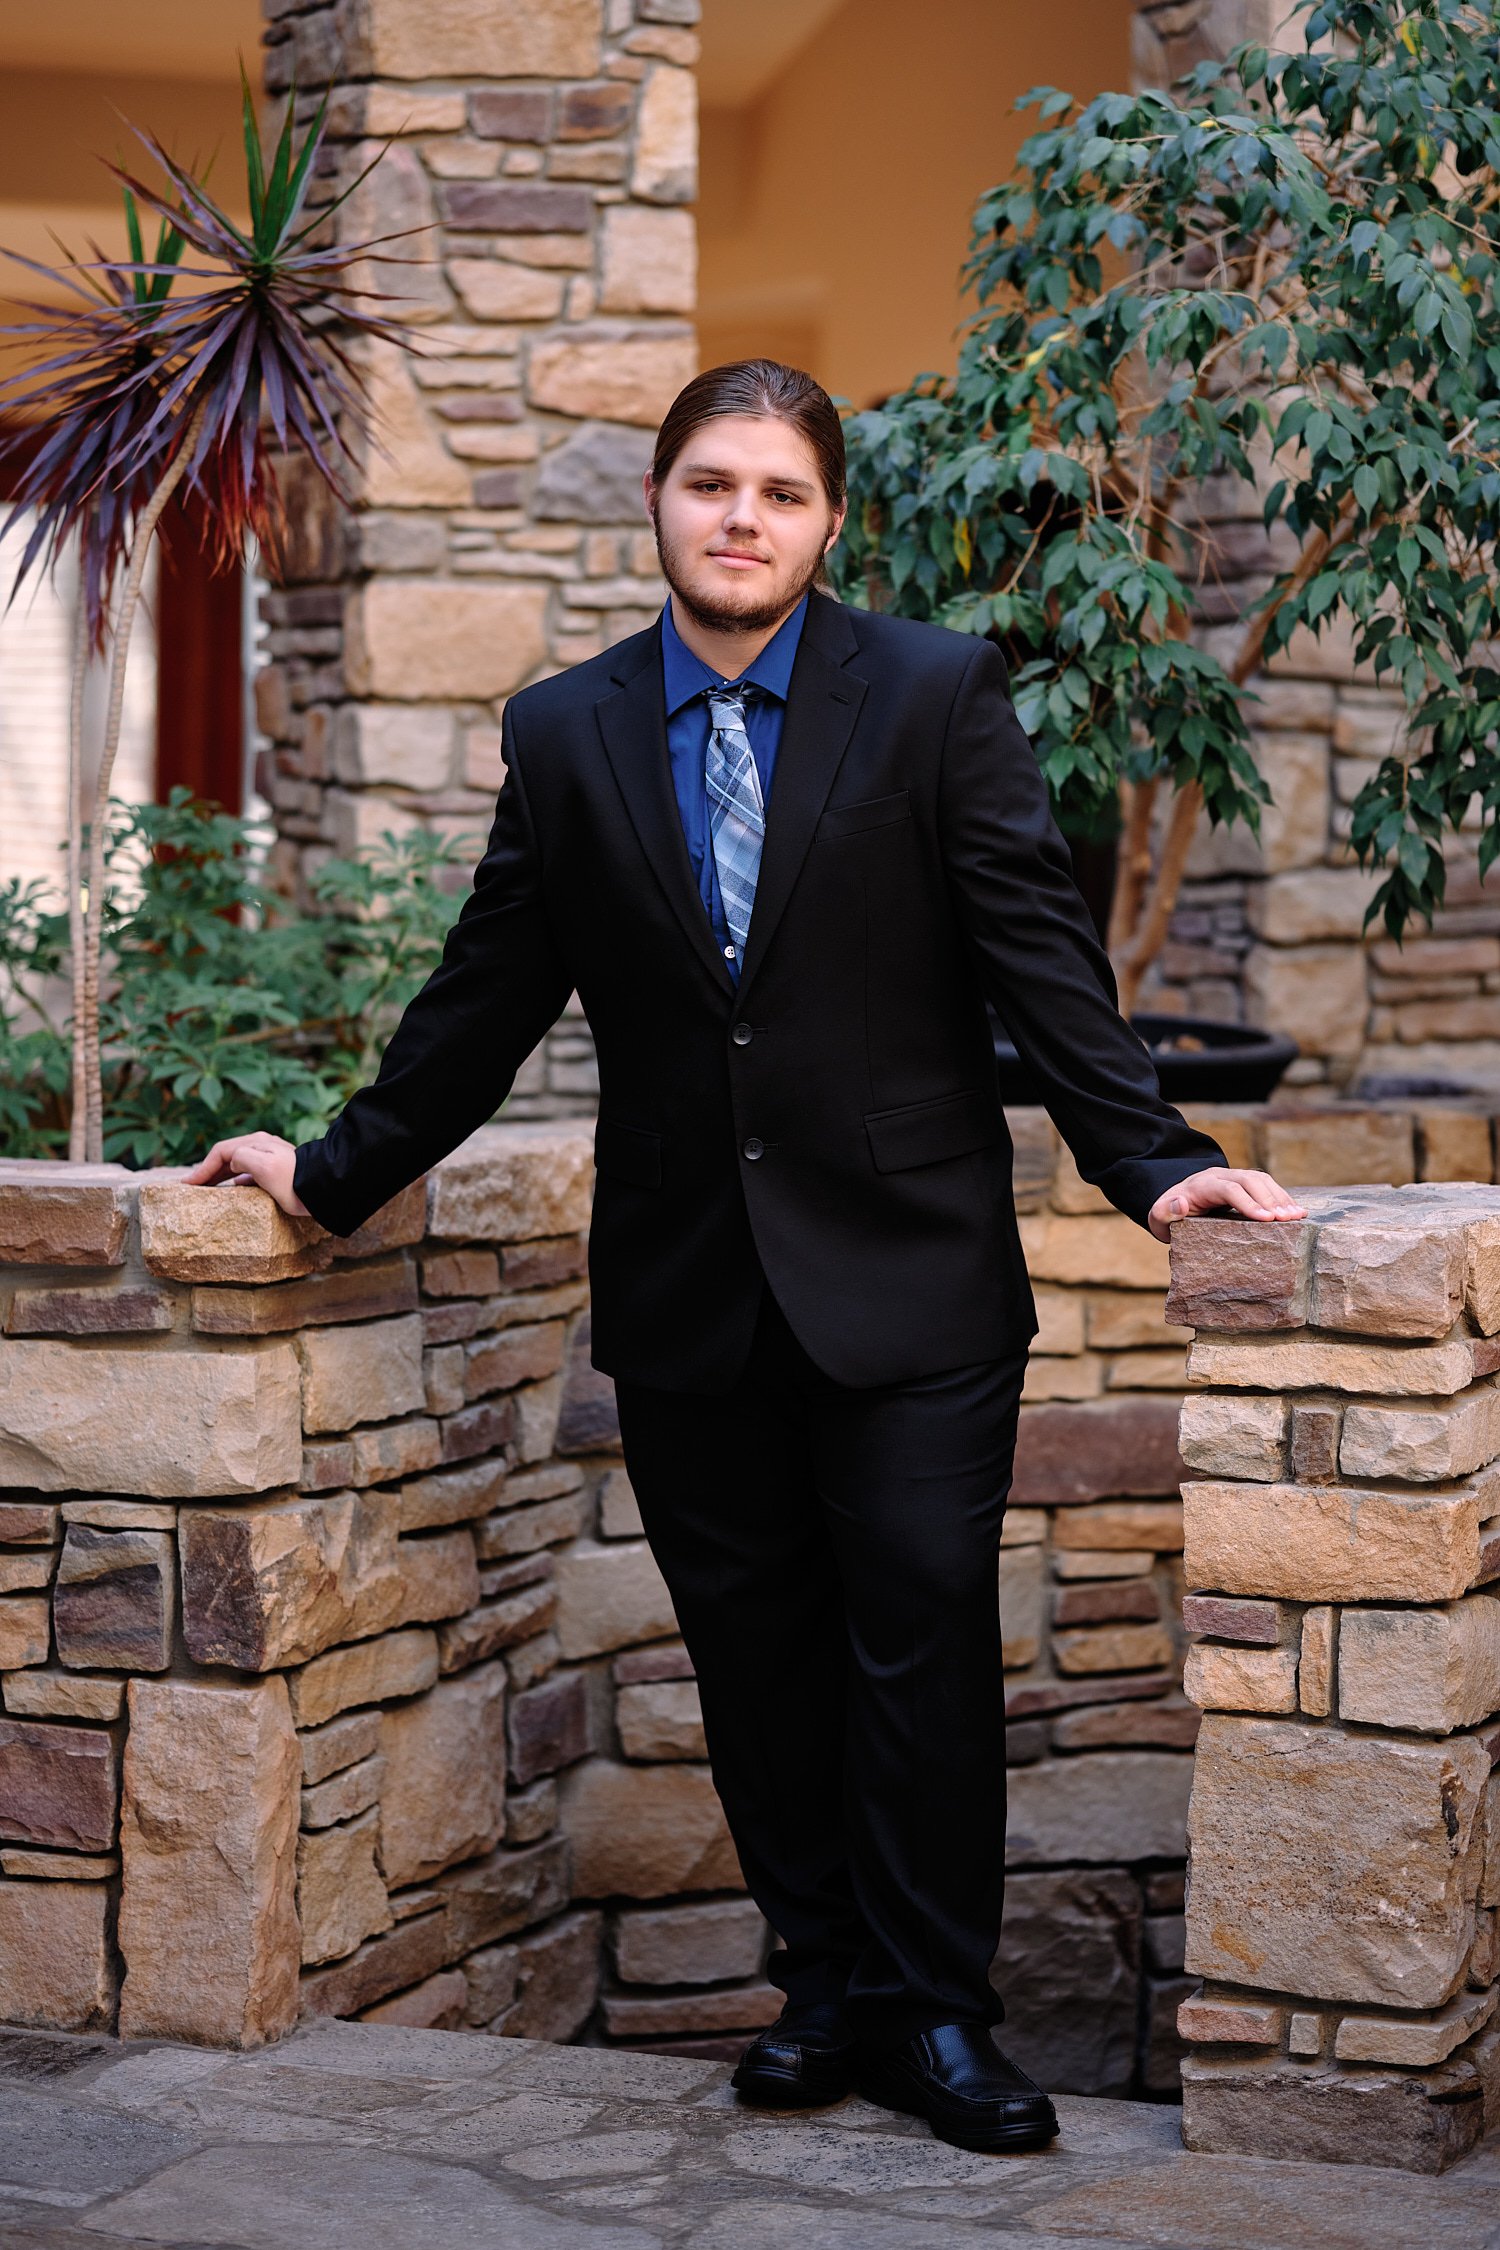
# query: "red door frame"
{"points": [[200, 656]]}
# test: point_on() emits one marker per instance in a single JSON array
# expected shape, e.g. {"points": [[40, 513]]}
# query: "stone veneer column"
{"points": [[1343, 1554], [545, 152]]}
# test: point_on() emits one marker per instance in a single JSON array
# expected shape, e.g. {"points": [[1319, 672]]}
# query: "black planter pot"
{"points": [[1197, 1060]]}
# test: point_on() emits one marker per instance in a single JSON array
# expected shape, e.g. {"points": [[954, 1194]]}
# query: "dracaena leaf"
{"points": [[249, 359]]}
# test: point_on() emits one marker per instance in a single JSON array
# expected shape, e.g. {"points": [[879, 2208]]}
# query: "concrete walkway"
{"points": [[365, 2137]]}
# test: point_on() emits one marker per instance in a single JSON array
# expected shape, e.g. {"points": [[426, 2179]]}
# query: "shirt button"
{"points": [[754, 1148], [742, 1035]]}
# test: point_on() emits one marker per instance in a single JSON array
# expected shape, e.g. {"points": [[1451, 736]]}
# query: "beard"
{"points": [[727, 616]]}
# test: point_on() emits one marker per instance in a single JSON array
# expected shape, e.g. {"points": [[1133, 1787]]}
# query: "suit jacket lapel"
{"points": [[632, 721], [823, 703]]}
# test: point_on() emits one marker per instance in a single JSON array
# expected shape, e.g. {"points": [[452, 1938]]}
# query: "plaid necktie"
{"points": [[736, 811]]}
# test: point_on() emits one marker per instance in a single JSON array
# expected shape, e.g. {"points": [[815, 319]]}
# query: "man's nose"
{"points": [[743, 512]]}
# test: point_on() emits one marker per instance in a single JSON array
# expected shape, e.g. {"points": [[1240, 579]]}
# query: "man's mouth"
{"points": [[738, 561]]}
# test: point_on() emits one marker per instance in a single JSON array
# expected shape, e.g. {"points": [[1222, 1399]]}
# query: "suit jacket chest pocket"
{"points": [[862, 819]]}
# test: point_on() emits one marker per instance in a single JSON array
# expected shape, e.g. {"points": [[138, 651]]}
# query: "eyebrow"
{"points": [[709, 469]]}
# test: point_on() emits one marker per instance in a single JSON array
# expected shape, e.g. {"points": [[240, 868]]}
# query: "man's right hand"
{"points": [[253, 1159]]}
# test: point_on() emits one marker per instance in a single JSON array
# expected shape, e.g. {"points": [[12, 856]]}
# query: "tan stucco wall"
{"points": [[834, 209], [71, 76]]}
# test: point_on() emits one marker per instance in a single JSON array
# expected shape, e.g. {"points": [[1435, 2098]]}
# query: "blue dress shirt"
{"points": [[689, 724]]}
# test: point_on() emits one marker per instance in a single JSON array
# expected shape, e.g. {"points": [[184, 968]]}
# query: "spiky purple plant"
{"points": [[140, 386]]}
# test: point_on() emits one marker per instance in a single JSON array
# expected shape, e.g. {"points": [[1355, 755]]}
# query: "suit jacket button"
{"points": [[742, 1035], [754, 1148]]}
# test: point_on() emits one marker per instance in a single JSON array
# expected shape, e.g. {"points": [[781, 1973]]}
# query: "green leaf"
{"points": [[301, 171], [133, 231], [1457, 327], [254, 169]]}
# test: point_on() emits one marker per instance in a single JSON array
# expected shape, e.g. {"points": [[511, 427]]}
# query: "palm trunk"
{"points": [[78, 1116], [88, 1021]]}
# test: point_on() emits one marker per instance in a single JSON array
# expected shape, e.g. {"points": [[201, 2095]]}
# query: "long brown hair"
{"points": [[757, 386]]}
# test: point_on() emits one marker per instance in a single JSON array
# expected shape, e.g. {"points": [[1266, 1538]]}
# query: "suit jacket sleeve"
{"points": [[1042, 966], [500, 986]]}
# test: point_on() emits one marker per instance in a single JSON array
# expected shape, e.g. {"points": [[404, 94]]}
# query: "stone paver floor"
{"points": [[369, 2137]]}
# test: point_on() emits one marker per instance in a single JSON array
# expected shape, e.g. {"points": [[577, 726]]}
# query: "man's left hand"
{"points": [[1254, 1195]]}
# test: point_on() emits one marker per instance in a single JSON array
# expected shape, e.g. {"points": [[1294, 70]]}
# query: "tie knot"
{"points": [[729, 699]]}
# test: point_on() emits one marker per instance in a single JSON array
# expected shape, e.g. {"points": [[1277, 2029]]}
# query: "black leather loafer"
{"points": [[805, 2058], [970, 2094]]}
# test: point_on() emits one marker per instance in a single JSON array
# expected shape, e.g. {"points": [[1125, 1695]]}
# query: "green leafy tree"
{"points": [[1285, 275]]}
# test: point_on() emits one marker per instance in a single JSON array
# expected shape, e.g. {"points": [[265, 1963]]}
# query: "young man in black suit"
{"points": [[785, 851]]}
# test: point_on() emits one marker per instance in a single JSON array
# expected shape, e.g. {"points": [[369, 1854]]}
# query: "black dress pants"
{"points": [[832, 1555]]}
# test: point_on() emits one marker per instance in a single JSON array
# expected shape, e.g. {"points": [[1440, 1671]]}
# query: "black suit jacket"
{"points": [[835, 1123]]}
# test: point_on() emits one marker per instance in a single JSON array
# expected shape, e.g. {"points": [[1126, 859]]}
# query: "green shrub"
{"points": [[223, 1008]]}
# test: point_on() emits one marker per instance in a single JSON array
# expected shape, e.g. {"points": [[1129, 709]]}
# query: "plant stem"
{"points": [[1309, 562], [145, 532], [78, 1116], [1132, 861], [1156, 910], [1153, 913]]}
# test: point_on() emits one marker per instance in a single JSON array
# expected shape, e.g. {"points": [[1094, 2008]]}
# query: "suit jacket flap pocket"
{"points": [[627, 1152], [875, 812], [926, 1132]]}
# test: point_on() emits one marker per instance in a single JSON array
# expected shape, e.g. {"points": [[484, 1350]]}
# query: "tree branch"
{"points": [[1133, 860], [1156, 913]]}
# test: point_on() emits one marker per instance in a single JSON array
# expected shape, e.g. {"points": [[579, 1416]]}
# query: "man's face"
{"points": [[742, 522]]}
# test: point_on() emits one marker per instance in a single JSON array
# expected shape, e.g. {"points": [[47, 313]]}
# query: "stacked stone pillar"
{"points": [[1342, 1555], [539, 158]]}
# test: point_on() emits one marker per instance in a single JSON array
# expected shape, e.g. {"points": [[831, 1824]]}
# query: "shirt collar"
{"points": [[685, 675]]}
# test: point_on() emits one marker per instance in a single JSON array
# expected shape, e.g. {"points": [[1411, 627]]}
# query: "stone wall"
{"points": [[1343, 1550], [337, 1677], [281, 1623]]}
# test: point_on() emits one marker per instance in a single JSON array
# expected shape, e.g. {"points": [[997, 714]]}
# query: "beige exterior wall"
{"points": [[835, 201], [69, 79]]}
